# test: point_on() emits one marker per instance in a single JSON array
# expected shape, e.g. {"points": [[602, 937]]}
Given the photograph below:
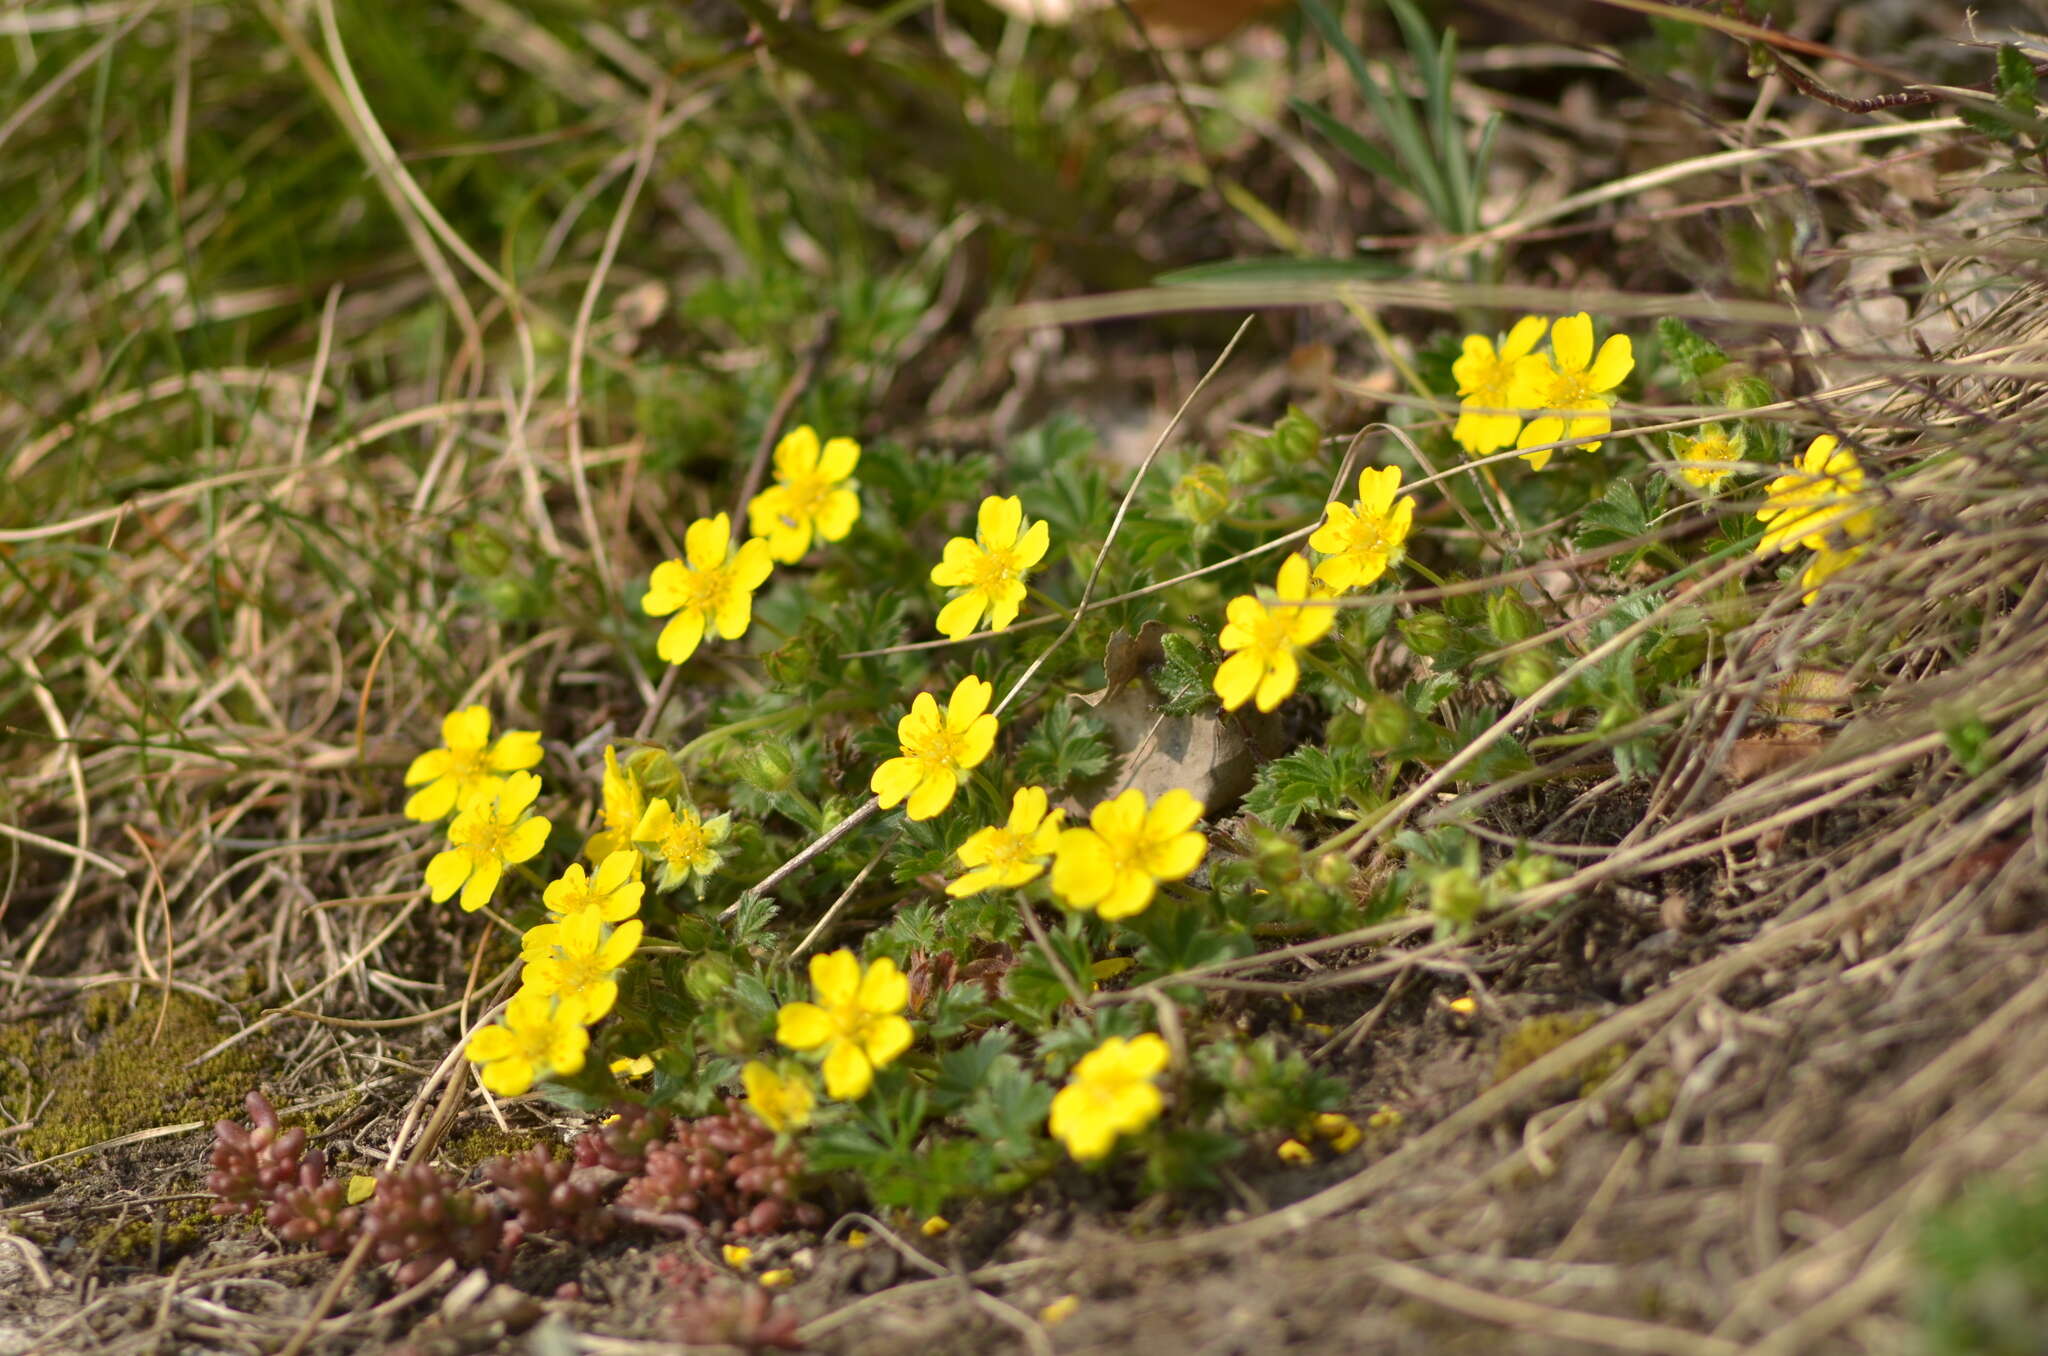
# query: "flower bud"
{"points": [[769, 766], [709, 980], [1524, 674], [1428, 633], [1278, 858], [1456, 899], [1387, 723], [1333, 871], [1746, 393], [480, 552], [1511, 619], [656, 772], [1202, 495]]}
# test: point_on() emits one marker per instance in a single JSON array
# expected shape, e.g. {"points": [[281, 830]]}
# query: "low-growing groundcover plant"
{"points": [[664, 926]]}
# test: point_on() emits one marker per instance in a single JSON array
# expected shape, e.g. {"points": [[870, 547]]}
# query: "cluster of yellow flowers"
{"points": [[1358, 543], [1568, 391], [711, 586], [1818, 506]]}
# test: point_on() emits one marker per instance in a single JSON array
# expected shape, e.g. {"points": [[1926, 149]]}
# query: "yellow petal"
{"points": [[466, 730], [1292, 584], [797, 454], [752, 565], [1177, 857], [976, 741], [1376, 490], [894, 780], [998, 522], [734, 614], [680, 638], [429, 766], [1129, 894], [885, 1039], [803, 1026], [838, 459], [1176, 811], [521, 789], [445, 874], [1617, 359], [848, 1074], [491, 1043], [969, 700], [481, 885], [1027, 808], [1571, 342], [515, 751], [706, 541], [509, 1077], [836, 977], [933, 794], [431, 801], [1031, 548], [959, 617], [1523, 337], [666, 589], [1238, 677], [1283, 671], [1081, 871], [838, 514], [1475, 363], [957, 563], [883, 990]]}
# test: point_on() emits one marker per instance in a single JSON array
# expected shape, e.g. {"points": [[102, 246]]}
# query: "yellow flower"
{"points": [[624, 801], [1340, 1130], [1263, 638], [783, 1104], [776, 1279], [1577, 390], [575, 961], [612, 894], [934, 1226], [1361, 541], [856, 1239], [937, 749], [857, 1021], [632, 1067], [685, 846], [1826, 563], [1811, 506], [1004, 856], [1295, 1152], [712, 586], [471, 768], [738, 1255], [1114, 865], [1710, 456], [987, 574], [1486, 382], [1059, 1311], [536, 1037], [1111, 1093], [811, 494], [485, 839]]}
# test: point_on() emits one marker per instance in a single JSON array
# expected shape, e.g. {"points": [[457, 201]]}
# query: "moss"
{"points": [[137, 1241], [467, 1150], [136, 1077], [1538, 1036]]}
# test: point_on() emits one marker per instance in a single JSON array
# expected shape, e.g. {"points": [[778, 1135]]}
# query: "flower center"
{"points": [[805, 497], [940, 748], [1273, 633], [580, 972], [465, 764], [1571, 391], [489, 836], [684, 844], [704, 589], [994, 569]]}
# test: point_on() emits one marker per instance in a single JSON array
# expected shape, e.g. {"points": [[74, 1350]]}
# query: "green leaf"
{"points": [[1694, 355], [1186, 678], [1066, 746], [963, 1071], [1009, 1111], [1310, 780], [1618, 516], [2018, 86]]}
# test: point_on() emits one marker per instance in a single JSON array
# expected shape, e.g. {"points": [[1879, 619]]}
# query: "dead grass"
{"points": [[227, 600]]}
